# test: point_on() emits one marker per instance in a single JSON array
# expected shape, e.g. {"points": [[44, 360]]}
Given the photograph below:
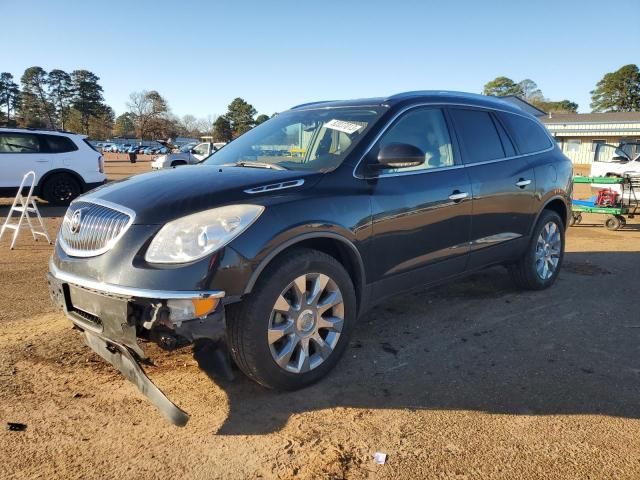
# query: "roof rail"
{"points": [[33, 129], [311, 103], [416, 93]]}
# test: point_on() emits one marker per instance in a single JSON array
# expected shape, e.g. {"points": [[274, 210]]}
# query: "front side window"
{"points": [[478, 136], [18, 143], [528, 135], [314, 140], [425, 129]]}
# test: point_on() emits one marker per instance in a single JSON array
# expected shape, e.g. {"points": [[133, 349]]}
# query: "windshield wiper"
{"points": [[249, 164]]}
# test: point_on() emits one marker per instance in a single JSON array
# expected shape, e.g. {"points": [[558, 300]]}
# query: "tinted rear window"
{"points": [[528, 135], [58, 144], [478, 135]]}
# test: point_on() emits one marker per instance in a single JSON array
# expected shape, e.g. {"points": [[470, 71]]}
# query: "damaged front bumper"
{"points": [[113, 317]]}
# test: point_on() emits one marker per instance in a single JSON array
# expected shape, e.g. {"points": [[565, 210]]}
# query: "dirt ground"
{"points": [[470, 380]]}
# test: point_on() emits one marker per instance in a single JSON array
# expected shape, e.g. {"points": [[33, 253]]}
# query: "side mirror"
{"points": [[193, 150], [620, 159], [399, 155]]}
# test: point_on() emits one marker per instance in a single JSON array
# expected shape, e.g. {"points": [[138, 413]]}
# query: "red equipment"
{"points": [[607, 198]]}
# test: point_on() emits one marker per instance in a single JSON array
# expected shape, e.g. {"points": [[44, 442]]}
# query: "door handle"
{"points": [[457, 195], [42, 161], [522, 183]]}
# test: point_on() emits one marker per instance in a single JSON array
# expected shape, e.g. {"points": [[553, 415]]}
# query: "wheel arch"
{"points": [[57, 171], [558, 205], [333, 244]]}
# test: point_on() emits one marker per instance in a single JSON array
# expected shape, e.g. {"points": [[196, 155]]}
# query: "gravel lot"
{"points": [[470, 380]]}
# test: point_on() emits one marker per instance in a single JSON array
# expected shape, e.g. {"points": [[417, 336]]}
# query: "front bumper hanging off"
{"points": [[112, 317], [120, 357]]}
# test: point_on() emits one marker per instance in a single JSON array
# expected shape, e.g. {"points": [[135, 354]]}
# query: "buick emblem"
{"points": [[76, 221]]}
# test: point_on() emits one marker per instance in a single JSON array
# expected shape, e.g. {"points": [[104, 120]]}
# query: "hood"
{"points": [[159, 197]]}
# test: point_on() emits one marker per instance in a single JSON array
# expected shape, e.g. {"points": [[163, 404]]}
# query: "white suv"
{"points": [[66, 164]]}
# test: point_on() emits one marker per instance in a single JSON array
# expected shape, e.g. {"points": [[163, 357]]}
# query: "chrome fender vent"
{"points": [[93, 228], [275, 186]]}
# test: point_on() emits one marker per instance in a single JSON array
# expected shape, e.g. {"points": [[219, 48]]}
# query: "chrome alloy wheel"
{"points": [[306, 323], [548, 249]]}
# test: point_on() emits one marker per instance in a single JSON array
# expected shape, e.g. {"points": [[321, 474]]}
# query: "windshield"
{"points": [[315, 140], [187, 147]]}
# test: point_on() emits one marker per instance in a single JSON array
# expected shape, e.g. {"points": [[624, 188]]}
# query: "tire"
{"points": [[529, 272], [612, 222], [178, 163], [61, 189], [575, 219], [250, 321]]}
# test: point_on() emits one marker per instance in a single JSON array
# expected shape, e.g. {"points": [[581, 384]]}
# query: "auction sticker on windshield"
{"points": [[342, 126]]}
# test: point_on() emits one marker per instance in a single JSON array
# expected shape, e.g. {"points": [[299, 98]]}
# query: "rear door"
{"points": [[421, 215], [502, 183], [20, 153]]}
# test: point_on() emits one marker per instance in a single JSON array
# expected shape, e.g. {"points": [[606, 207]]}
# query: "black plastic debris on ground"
{"points": [[386, 346], [16, 427]]}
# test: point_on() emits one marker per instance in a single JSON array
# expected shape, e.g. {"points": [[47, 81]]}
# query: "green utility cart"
{"points": [[616, 204]]}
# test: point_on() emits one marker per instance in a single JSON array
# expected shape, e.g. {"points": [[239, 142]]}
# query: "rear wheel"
{"points": [[61, 189], [295, 325], [539, 266]]}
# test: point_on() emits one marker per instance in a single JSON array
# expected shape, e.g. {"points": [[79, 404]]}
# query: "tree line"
{"points": [[149, 117], [617, 91], [55, 99], [74, 101]]}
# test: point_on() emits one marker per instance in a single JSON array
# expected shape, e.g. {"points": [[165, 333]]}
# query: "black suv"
{"points": [[273, 246]]}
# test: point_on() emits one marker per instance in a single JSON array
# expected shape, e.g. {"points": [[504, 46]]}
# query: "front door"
{"points": [[421, 215], [20, 153], [200, 152]]}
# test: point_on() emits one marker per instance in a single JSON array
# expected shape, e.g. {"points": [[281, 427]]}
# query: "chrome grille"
{"points": [[90, 229]]}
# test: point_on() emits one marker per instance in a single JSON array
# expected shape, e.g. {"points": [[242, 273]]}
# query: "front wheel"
{"points": [[61, 189], [294, 326], [538, 268]]}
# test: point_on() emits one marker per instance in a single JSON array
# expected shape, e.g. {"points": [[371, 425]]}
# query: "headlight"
{"points": [[195, 236]]}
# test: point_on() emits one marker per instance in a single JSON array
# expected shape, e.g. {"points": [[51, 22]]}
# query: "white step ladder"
{"points": [[26, 206]]}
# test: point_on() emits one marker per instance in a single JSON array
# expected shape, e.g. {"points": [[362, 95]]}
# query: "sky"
{"points": [[200, 54]]}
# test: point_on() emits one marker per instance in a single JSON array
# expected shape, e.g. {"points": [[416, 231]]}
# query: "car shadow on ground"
{"points": [[480, 344], [46, 210]]}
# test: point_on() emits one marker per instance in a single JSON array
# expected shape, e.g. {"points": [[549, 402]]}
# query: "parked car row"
{"points": [[129, 148]]}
